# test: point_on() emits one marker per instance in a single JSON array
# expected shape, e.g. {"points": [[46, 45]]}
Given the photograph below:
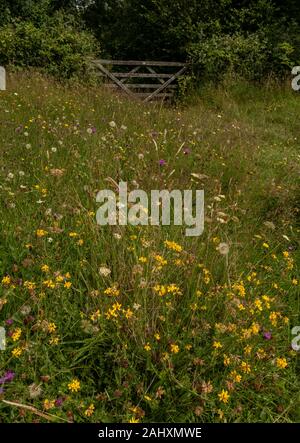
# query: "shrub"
{"points": [[57, 46]]}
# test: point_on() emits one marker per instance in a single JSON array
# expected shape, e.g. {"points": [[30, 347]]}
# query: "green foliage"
{"points": [[57, 46], [250, 57]]}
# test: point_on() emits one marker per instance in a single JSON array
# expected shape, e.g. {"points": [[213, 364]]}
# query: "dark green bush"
{"points": [[250, 57], [57, 46]]}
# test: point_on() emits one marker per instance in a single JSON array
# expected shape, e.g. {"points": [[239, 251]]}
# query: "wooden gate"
{"points": [[145, 80]]}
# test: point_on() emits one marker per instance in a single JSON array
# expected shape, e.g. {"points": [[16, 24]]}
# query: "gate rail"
{"points": [[163, 83]]}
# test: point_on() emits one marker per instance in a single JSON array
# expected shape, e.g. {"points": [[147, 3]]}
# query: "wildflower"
{"points": [[74, 385], [34, 390], [245, 367], [73, 234], [224, 396], [41, 233], [235, 376], [51, 327], [281, 363], [104, 271], [16, 334], [7, 377], [95, 315], [128, 313], [267, 335], [223, 248], [45, 268], [90, 410], [143, 259], [17, 352], [217, 345], [174, 348], [173, 246], [67, 284], [112, 291], [49, 404], [162, 162], [54, 341], [6, 280], [147, 347], [226, 360], [134, 420]]}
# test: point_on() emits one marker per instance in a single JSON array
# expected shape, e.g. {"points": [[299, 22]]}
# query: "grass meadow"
{"points": [[141, 323]]}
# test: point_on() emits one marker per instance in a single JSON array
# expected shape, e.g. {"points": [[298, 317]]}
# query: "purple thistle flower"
{"points": [[267, 335], [59, 401], [162, 162], [7, 377], [9, 321]]}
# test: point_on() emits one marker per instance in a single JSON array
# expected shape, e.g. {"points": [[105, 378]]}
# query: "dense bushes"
{"points": [[56, 46], [251, 38]]}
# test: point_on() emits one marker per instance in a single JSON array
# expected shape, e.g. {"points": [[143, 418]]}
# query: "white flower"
{"points": [[117, 236], [124, 127], [223, 248], [53, 149], [112, 124], [28, 146], [103, 270]]}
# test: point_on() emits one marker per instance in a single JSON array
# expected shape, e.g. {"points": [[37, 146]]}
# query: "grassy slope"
{"points": [[244, 143]]}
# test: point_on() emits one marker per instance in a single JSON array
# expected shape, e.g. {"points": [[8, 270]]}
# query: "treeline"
{"points": [[251, 38]]}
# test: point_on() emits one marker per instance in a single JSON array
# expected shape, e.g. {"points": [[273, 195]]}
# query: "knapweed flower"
{"points": [[162, 162], [224, 396], [74, 385], [267, 335], [7, 377]]}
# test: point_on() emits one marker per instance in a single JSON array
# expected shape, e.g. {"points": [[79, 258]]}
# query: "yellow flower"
{"points": [[172, 245], [217, 345], [112, 291], [41, 233], [224, 396], [226, 360], [143, 259], [281, 363], [90, 410], [45, 268], [51, 327], [157, 336], [74, 385], [147, 347], [245, 367], [73, 234], [134, 420], [16, 352], [16, 334], [174, 348], [265, 245], [67, 284], [6, 280], [49, 404]]}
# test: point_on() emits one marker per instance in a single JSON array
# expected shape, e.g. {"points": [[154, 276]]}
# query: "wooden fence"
{"points": [[161, 77]]}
